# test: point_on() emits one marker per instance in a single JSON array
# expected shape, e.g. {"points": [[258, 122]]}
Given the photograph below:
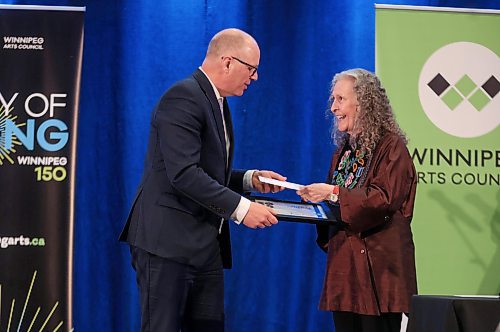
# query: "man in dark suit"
{"points": [[178, 225]]}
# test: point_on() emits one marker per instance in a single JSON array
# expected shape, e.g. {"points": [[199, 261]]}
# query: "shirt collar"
{"points": [[217, 94]]}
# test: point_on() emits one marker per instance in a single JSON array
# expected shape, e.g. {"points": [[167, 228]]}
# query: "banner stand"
{"points": [[40, 65], [441, 69]]}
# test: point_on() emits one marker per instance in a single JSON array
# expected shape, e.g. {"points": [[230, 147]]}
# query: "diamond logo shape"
{"points": [[465, 85], [438, 84], [452, 98], [479, 99], [491, 86], [465, 107]]}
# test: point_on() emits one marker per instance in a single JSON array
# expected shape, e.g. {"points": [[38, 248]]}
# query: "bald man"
{"points": [[178, 225]]}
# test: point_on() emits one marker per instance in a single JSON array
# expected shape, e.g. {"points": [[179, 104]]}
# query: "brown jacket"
{"points": [[371, 264]]}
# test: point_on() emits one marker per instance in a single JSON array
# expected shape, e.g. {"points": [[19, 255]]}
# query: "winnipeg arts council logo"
{"points": [[23, 43], [459, 89]]}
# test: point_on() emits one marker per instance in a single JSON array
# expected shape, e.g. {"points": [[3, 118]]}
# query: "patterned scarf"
{"points": [[350, 168]]}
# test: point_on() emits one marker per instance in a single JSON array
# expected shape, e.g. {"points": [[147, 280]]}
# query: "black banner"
{"points": [[40, 68]]}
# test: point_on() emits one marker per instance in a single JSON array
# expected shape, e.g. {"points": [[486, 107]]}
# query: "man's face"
{"points": [[241, 71], [345, 104]]}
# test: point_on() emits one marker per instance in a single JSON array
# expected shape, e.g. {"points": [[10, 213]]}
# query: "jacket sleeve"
{"points": [[388, 186], [236, 180]]}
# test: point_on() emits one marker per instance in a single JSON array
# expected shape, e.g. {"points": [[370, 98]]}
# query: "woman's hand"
{"points": [[316, 192]]}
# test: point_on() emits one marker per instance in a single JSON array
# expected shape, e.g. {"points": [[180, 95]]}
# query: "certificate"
{"points": [[311, 213]]}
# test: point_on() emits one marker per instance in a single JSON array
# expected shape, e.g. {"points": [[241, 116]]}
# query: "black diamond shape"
{"points": [[438, 84], [491, 86]]}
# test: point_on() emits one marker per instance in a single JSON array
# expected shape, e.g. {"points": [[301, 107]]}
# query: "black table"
{"points": [[431, 313]]}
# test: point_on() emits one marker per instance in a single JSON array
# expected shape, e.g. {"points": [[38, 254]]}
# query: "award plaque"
{"points": [[311, 213]]}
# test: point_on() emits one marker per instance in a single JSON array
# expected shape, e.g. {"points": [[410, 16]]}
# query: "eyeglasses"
{"points": [[252, 69]]}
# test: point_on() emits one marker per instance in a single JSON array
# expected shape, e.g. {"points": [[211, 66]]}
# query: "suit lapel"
{"points": [[207, 89]]}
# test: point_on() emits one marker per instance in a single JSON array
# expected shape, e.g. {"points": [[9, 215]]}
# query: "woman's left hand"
{"points": [[315, 192]]}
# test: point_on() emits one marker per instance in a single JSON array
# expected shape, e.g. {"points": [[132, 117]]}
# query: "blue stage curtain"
{"points": [[134, 50]]}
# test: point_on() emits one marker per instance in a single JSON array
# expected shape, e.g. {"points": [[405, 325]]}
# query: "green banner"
{"points": [[441, 69]]}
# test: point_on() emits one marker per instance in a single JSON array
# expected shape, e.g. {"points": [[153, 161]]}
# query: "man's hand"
{"points": [[266, 187], [315, 192], [260, 216]]}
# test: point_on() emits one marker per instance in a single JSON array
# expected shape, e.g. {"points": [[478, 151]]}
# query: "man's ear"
{"points": [[226, 62]]}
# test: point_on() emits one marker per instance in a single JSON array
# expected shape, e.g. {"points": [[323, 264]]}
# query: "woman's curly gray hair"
{"points": [[375, 116]]}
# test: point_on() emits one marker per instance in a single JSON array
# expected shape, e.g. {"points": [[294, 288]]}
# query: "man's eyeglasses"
{"points": [[251, 68]]}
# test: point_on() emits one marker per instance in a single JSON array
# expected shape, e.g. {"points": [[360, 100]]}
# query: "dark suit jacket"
{"points": [[184, 190]]}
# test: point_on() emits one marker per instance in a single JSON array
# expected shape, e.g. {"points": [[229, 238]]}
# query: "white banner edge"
{"points": [[40, 7], [437, 9]]}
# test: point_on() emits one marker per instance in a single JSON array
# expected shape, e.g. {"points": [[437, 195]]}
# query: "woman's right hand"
{"points": [[316, 192]]}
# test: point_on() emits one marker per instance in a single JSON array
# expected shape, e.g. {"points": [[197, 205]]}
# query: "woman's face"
{"points": [[345, 104]]}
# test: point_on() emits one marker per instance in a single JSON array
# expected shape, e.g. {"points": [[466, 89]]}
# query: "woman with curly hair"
{"points": [[370, 274]]}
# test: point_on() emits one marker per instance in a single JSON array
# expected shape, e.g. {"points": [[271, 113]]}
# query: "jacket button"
{"points": [[362, 251]]}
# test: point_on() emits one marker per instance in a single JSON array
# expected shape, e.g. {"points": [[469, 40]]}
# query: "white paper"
{"points": [[289, 185]]}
